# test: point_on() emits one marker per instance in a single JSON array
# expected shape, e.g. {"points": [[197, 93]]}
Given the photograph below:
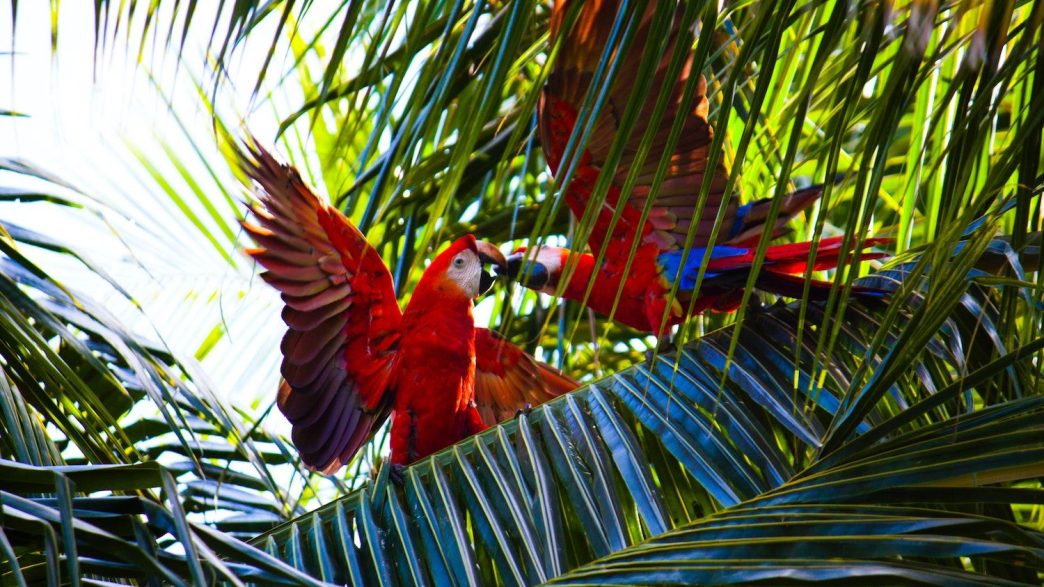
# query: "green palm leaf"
{"points": [[88, 411], [813, 441], [660, 468]]}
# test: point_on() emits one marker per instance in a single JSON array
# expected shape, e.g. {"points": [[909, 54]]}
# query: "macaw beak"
{"points": [[531, 274], [489, 253]]}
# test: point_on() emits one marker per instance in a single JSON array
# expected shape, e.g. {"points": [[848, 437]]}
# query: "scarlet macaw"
{"points": [[644, 290], [351, 358]]}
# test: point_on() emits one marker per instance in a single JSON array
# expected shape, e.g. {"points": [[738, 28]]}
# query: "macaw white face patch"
{"points": [[466, 271]]}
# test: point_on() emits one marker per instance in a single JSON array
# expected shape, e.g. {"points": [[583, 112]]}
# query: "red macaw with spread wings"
{"points": [[351, 358], [644, 290]]}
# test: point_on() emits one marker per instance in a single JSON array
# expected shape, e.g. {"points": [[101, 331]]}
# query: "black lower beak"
{"points": [[530, 274], [485, 282]]}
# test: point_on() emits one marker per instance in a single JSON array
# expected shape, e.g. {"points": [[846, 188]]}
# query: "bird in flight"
{"points": [[351, 358], [639, 285]]}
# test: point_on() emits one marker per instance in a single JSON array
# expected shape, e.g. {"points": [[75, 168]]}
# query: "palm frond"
{"points": [[829, 544], [824, 441], [71, 534], [659, 463], [89, 409]]}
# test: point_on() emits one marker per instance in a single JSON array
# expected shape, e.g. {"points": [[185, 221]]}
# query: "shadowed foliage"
{"points": [[691, 471], [893, 442]]}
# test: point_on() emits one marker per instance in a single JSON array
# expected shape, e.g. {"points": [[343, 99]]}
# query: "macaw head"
{"points": [[539, 271], [460, 268]]}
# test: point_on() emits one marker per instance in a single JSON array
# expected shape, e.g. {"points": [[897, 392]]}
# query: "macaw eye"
{"points": [[458, 262]]}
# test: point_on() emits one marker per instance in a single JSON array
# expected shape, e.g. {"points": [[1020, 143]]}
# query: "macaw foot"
{"points": [[528, 409], [397, 474], [755, 305], [664, 345], [649, 356]]}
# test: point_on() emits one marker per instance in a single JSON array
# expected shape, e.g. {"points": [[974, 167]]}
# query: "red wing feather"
{"points": [[793, 257], [507, 379], [674, 208], [342, 317], [567, 85]]}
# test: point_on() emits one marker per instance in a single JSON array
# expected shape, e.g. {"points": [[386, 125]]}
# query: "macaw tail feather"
{"points": [[793, 286], [780, 272], [749, 223]]}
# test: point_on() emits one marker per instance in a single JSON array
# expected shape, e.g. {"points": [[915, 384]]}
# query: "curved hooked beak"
{"points": [[489, 253]]}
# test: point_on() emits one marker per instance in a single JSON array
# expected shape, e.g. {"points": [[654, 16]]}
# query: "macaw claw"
{"points": [[664, 346], [491, 255], [397, 474], [528, 409]]}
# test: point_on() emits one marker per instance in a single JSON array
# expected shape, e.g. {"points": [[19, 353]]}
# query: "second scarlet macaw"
{"points": [[351, 358], [643, 287]]}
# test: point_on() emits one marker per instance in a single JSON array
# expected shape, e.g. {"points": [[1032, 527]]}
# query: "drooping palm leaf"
{"points": [[68, 534], [88, 411], [660, 464], [399, 113], [931, 109], [830, 544]]}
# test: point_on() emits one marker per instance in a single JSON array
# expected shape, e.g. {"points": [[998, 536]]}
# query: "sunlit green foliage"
{"points": [[902, 439]]}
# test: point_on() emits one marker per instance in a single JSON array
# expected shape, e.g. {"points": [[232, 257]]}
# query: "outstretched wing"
{"points": [[674, 208], [507, 379], [343, 322]]}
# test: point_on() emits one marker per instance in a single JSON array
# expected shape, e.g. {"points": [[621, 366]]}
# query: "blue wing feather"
{"points": [[670, 264]]}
